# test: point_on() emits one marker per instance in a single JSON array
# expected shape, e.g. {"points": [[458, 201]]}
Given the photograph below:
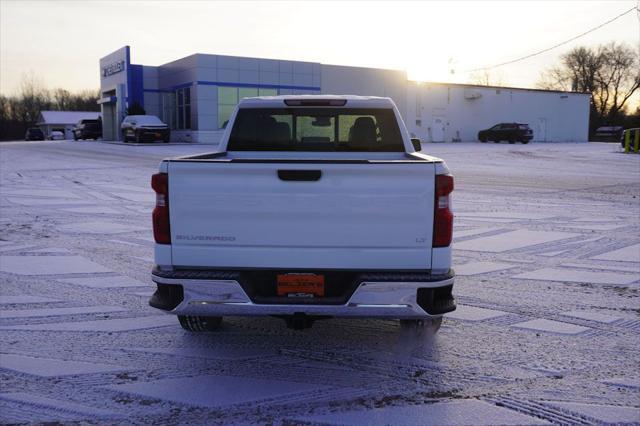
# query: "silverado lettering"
{"points": [[204, 238]]}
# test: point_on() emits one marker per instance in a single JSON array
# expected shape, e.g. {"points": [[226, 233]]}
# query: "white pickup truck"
{"points": [[314, 207]]}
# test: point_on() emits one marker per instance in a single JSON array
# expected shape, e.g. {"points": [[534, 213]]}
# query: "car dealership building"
{"points": [[195, 96]]}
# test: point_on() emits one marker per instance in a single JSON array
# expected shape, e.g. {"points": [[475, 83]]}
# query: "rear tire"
{"points": [[197, 323], [431, 324], [496, 141], [525, 142], [483, 140], [512, 142]]}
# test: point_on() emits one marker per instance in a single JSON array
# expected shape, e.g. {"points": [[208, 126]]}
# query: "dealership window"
{"points": [[183, 109], [169, 109], [228, 98]]}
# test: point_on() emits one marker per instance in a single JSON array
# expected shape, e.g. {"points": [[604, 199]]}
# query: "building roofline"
{"points": [[235, 56], [482, 86], [405, 72], [367, 68], [58, 110]]}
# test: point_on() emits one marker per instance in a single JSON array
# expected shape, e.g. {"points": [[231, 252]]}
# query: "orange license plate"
{"points": [[300, 285]]}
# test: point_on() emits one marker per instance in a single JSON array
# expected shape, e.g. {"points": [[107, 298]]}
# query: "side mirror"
{"points": [[416, 144]]}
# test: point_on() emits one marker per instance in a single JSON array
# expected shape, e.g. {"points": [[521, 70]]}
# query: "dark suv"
{"points": [[87, 129], [34, 134], [510, 132]]}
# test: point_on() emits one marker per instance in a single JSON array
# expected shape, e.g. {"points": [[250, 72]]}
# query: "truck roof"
{"points": [[352, 101]]}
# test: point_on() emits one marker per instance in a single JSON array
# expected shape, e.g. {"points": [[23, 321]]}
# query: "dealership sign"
{"points": [[114, 68]]}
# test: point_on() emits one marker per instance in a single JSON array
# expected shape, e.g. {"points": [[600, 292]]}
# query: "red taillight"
{"points": [[443, 217], [161, 229]]}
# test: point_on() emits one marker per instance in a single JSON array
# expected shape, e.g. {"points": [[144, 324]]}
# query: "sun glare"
{"points": [[431, 71]]}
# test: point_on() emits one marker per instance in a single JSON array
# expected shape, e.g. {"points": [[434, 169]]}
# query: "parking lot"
{"points": [[547, 330]]}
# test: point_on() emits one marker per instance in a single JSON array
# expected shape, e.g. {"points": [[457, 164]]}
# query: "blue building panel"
{"points": [[136, 85]]}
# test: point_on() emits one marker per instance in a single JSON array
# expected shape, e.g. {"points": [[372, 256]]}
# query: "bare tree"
{"points": [[611, 73], [5, 116], [577, 71], [85, 100], [61, 99], [34, 97], [617, 79], [487, 77], [21, 111]]}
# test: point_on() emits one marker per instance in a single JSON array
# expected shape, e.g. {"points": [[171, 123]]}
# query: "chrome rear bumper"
{"points": [[226, 297]]}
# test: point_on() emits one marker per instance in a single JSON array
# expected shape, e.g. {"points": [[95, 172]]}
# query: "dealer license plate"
{"points": [[300, 285]]}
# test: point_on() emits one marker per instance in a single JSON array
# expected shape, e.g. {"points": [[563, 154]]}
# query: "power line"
{"points": [[636, 8]]}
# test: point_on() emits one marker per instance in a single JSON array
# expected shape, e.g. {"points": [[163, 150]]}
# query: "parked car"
{"points": [[34, 134], [609, 133], [144, 128], [87, 129], [56, 135], [354, 221], [510, 132]]}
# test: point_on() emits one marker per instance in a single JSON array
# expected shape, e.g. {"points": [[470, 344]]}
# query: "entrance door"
{"points": [[115, 131], [109, 122], [437, 129], [541, 134]]}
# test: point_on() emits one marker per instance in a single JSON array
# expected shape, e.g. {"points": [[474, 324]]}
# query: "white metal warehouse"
{"points": [[196, 94]]}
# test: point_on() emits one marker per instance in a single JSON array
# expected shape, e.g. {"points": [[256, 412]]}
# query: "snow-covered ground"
{"points": [[547, 252]]}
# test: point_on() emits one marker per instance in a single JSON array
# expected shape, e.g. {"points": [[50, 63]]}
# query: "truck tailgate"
{"points": [[276, 215]]}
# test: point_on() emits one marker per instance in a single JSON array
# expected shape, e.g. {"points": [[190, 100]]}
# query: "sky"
{"points": [[61, 42]]}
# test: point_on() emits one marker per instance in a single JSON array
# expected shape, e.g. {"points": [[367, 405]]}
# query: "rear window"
{"points": [[523, 126], [315, 129]]}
